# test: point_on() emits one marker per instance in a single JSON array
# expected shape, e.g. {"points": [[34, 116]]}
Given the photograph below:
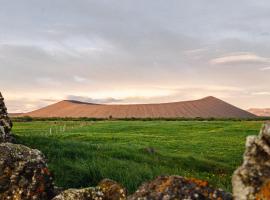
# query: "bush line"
{"points": [[30, 119]]}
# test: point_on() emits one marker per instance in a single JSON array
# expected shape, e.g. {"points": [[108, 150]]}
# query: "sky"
{"points": [[127, 51]]}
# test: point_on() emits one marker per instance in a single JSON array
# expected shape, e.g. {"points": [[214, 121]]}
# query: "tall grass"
{"points": [[81, 153]]}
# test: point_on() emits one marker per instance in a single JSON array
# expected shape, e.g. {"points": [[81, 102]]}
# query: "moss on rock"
{"points": [[106, 190], [23, 174], [177, 187]]}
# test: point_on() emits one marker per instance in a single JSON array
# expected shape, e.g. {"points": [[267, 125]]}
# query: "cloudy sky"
{"points": [[134, 51]]}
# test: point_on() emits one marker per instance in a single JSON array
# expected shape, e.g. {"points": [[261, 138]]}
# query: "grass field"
{"points": [[82, 153]]}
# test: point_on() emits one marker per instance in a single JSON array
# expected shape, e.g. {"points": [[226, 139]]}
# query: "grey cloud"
{"points": [[60, 46], [92, 100], [265, 68]]}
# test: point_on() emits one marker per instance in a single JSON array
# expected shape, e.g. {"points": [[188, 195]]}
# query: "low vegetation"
{"points": [[81, 153], [30, 119]]}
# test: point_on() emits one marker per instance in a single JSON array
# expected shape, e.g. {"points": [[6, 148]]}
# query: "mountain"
{"points": [[263, 112], [209, 107]]}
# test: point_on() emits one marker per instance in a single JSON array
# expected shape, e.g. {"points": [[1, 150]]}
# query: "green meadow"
{"points": [[81, 153]]}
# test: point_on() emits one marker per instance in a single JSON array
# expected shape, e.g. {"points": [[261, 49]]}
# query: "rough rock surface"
{"points": [[177, 187], [23, 174], [5, 123], [106, 190], [252, 179]]}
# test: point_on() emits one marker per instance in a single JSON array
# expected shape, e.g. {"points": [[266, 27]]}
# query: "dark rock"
{"points": [[5, 123], [106, 190], [23, 174], [58, 190], [177, 187], [252, 179]]}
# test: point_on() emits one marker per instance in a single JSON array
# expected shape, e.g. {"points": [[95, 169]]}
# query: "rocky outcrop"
{"points": [[252, 179], [177, 187], [23, 174], [5, 123], [106, 190]]}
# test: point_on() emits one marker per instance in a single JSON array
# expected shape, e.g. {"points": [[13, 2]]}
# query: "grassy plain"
{"points": [[81, 153]]}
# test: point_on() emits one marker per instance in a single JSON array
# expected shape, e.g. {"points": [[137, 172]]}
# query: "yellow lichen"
{"points": [[164, 185], [264, 193], [199, 182]]}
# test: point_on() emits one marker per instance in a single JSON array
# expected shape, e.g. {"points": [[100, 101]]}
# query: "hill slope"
{"points": [[204, 108], [264, 112]]}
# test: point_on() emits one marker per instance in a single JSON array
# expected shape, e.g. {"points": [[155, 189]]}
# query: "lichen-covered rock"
{"points": [[177, 187], [252, 179], [112, 190], [106, 190], [5, 123], [81, 194], [23, 174]]}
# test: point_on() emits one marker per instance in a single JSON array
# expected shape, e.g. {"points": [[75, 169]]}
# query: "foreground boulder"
{"points": [[252, 179], [23, 174], [106, 190], [5, 123], [177, 187]]}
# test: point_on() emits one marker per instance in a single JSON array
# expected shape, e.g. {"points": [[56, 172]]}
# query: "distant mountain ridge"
{"points": [[263, 112], [208, 107]]}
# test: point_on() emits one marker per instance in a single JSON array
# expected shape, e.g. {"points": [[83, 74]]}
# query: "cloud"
{"points": [[240, 58], [185, 92], [123, 49], [261, 93], [161, 94], [195, 51], [79, 79], [265, 68], [24, 104], [47, 81], [93, 100]]}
